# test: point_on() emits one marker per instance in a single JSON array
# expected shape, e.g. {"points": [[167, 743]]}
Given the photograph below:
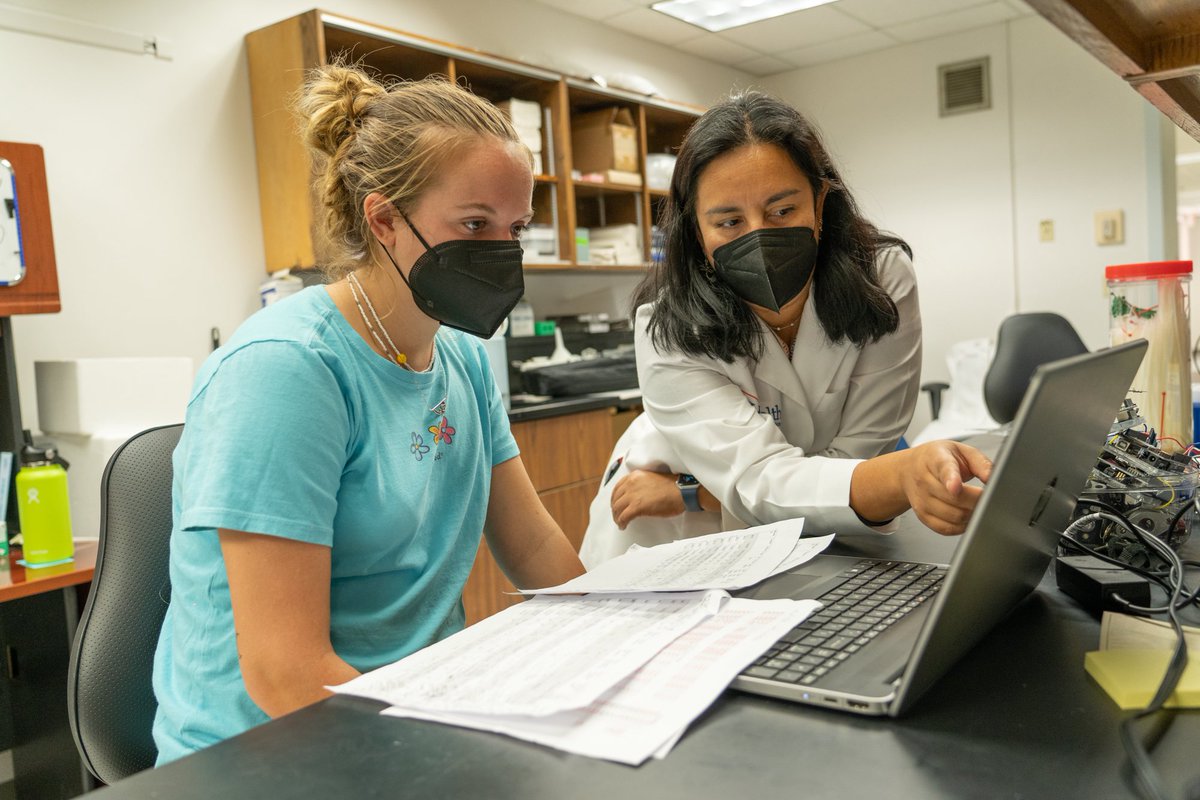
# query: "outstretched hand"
{"points": [[935, 484]]}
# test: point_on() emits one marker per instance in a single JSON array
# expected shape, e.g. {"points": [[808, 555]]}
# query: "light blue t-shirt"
{"points": [[296, 428]]}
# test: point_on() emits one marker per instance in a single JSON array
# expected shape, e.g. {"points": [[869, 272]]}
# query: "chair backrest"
{"points": [[110, 698], [1024, 343]]}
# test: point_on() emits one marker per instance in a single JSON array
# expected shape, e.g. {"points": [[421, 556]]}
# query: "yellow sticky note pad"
{"points": [[1131, 677]]}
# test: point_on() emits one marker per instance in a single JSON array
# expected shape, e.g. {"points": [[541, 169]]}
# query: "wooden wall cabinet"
{"points": [[280, 54], [565, 457], [1153, 44]]}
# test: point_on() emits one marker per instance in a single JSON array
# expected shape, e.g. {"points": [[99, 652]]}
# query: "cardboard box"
{"points": [[603, 140]]}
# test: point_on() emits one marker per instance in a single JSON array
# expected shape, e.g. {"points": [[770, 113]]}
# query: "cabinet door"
{"points": [[559, 451]]}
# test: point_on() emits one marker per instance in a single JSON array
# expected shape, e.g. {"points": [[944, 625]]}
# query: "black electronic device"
{"points": [[1100, 586], [1136, 479]]}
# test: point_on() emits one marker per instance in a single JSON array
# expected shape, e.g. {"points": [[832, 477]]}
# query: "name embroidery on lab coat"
{"points": [[774, 412]]}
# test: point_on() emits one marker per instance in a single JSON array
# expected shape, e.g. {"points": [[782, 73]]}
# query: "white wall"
{"points": [[151, 164], [1064, 137], [154, 199]]}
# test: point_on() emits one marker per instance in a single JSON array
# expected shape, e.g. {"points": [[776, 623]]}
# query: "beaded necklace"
{"points": [[788, 347], [390, 350]]}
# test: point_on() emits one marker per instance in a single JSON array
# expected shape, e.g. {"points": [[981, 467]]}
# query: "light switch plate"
{"points": [[1046, 230], [1110, 227]]}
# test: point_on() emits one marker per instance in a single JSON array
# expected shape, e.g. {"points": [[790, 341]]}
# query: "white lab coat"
{"points": [[771, 440]]}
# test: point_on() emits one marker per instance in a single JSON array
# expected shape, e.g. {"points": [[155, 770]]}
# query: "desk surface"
{"points": [[16, 581], [1016, 718]]}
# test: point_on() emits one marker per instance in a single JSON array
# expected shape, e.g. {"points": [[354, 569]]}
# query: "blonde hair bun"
{"points": [[366, 137], [335, 100]]}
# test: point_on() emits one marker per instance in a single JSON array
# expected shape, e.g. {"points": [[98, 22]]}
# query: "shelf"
{"points": [[592, 188], [280, 55], [1154, 46], [659, 192], [585, 88]]}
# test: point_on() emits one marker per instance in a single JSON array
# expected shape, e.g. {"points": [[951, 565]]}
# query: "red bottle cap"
{"points": [[1149, 269]]}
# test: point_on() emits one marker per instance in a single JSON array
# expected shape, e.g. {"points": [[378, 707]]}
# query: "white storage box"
{"points": [[540, 243], [624, 240], [106, 395], [523, 113], [530, 137]]}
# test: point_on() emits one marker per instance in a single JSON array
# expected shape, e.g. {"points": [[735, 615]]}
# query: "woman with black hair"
{"points": [[779, 354]]}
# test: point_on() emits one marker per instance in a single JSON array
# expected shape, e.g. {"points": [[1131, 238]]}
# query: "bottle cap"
{"points": [[32, 455], [1147, 270]]}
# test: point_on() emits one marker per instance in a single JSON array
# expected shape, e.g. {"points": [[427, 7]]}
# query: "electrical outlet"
{"points": [[1110, 227], [1046, 230]]}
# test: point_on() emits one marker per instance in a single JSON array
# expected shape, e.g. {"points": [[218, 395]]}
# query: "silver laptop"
{"points": [[921, 618]]}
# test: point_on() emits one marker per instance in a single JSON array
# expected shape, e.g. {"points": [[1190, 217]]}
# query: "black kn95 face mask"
{"points": [[769, 266], [468, 284]]}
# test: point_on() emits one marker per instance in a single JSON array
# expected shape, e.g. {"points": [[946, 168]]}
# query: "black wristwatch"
{"points": [[689, 487]]}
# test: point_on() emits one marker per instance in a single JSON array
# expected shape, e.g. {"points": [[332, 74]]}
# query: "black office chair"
{"points": [[109, 694], [1025, 342]]}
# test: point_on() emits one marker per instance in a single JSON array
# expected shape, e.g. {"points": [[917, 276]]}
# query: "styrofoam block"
{"points": [[88, 456], [105, 395]]}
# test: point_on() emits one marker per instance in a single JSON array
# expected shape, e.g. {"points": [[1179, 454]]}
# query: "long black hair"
{"points": [[695, 311]]}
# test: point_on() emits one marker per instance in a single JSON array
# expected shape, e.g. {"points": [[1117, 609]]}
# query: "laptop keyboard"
{"points": [[877, 595]]}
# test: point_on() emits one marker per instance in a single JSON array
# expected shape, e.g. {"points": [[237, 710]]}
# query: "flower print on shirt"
{"points": [[442, 432], [418, 447]]}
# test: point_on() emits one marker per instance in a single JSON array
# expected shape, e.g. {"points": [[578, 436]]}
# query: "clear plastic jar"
{"points": [[1151, 301]]}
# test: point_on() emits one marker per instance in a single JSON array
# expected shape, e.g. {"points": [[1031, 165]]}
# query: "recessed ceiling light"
{"points": [[719, 15]]}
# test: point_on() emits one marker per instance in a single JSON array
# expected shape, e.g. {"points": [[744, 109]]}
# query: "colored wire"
{"points": [[1137, 748]]}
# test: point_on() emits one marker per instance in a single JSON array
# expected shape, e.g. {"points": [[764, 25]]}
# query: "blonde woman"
{"points": [[345, 449]]}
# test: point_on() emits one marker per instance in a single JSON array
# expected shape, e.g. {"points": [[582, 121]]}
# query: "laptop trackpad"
{"points": [[807, 582]]}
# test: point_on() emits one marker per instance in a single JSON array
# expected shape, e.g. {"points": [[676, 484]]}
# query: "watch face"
{"points": [[686, 480]]}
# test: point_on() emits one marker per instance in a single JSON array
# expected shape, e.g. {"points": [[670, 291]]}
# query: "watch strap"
{"points": [[689, 488]]}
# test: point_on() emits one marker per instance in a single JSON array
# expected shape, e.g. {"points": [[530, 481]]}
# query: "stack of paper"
{"points": [[730, 560], [620, 672]]}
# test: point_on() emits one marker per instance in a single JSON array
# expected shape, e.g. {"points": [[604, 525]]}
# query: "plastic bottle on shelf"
{"points": [[520, 321]]}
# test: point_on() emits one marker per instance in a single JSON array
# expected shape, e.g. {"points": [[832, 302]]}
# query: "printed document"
{"points": [[648, 712], [729, 560], [614, 664], [545, 655]]}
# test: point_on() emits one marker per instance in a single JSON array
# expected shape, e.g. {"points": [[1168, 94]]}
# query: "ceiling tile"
{"points": [[764, 65], [841, 48], [976, 17], [797, 29], [652, 25], [882, 13], [715, 48], [594, 9]]}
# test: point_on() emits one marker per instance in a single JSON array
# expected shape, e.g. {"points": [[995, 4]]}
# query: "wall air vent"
{"points": [[964, 86]]}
